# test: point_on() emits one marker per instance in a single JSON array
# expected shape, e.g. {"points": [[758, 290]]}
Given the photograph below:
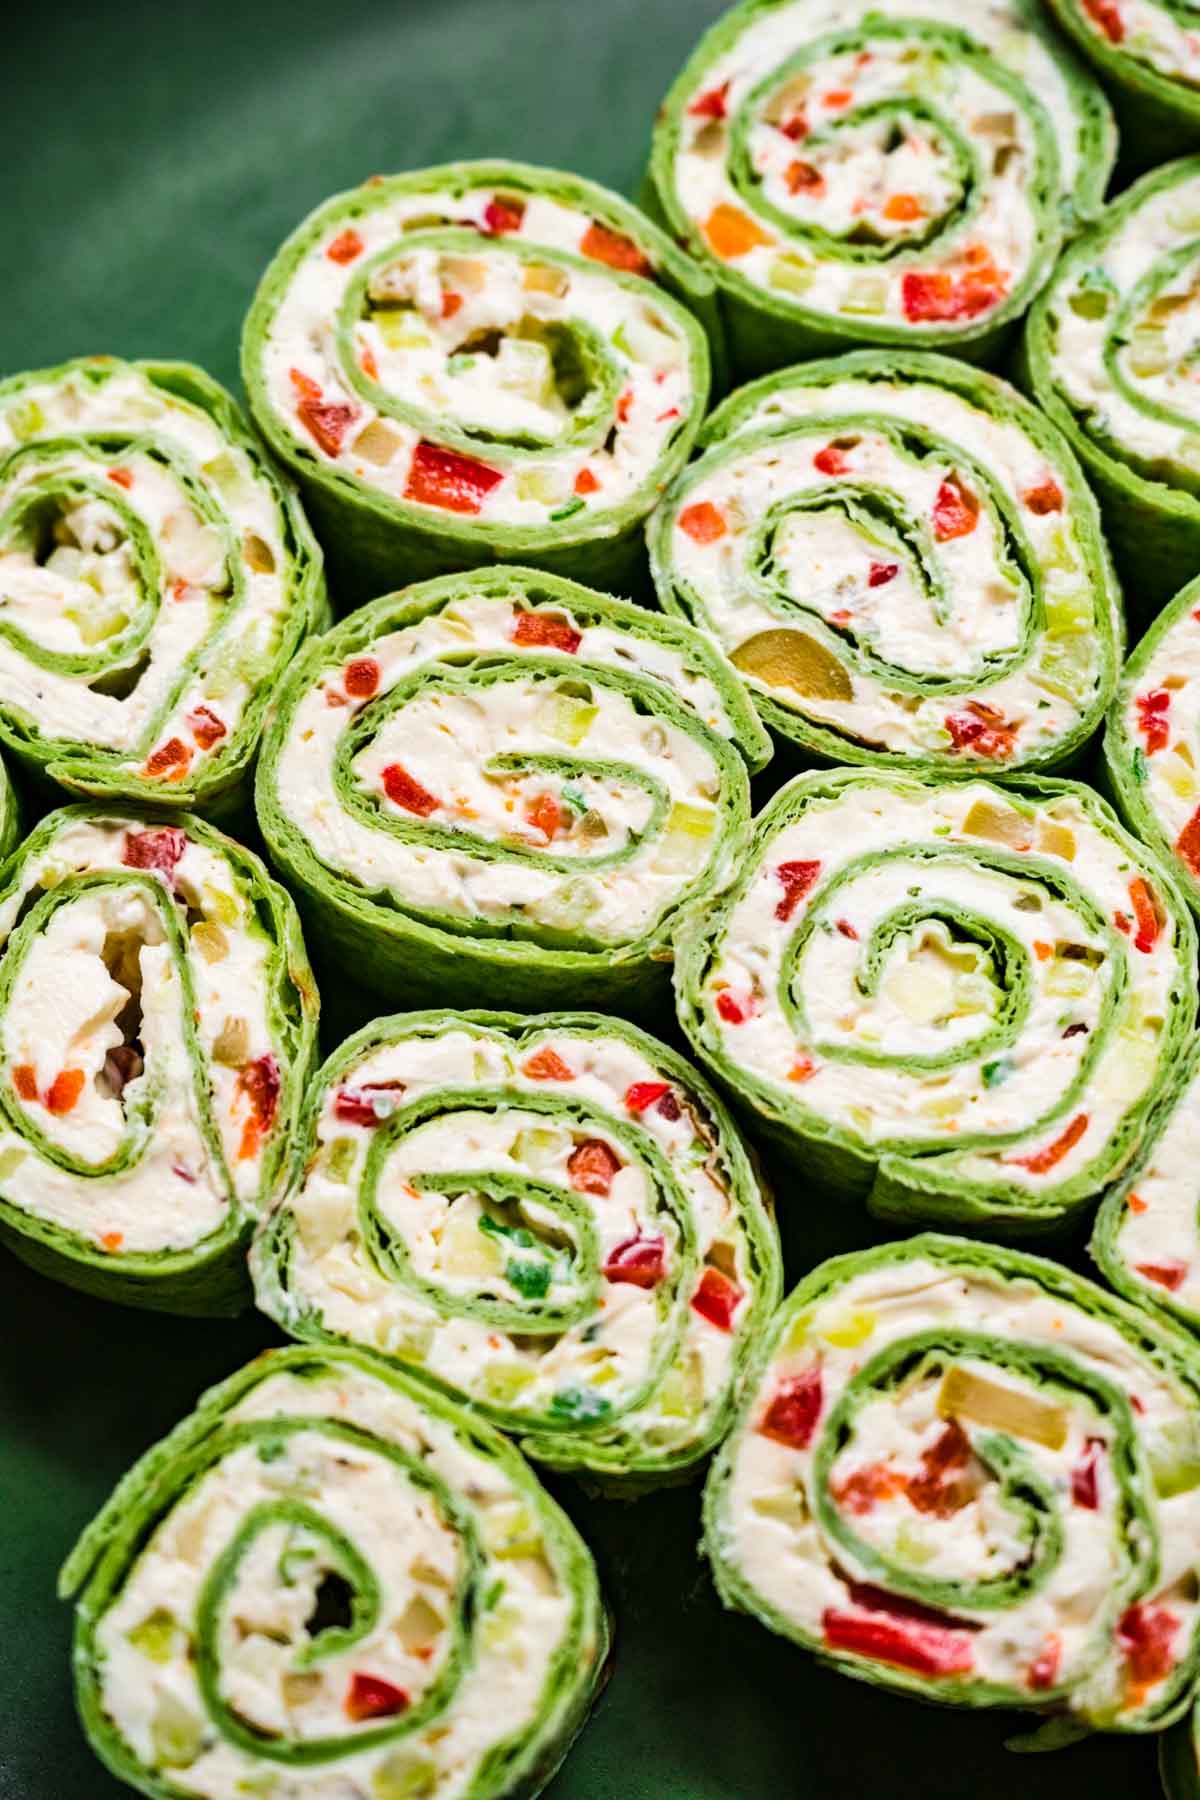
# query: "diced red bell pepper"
{"points": [[1146, 915], [547, 1065], [547, 631], [1144, 1633], [361, 677], [205, 726], [591, 1167], [370, 1697], [1107, 15], [831, 460], [450, 303], [614, 249], [64, 1091], [403, 790], [1169, 1275], [1152, 711], [717, 1299], [448, 479], [846, 928], [503, 216], [1039, 1161], [159, 850], [939, 1489], [798, 878], [545, 815], [639, 1261], [880, 574], [1085, 1485], [345, 246], [1043, 1671], [711, 105], [112, 1241], [863, 1489], [586, 483], [983, 729], [924, 1649], [356, 1106], [171, 760], [1188, 843], [643, 1094], [955, 510], [928, 295], [305, 386], [804, 178], [1045, 497], [122, 477], [903, 209], [794, 1409], [702, 522], [259, 1082], [735, 1009], [24, 1077], [796, 127], [327, 421]]}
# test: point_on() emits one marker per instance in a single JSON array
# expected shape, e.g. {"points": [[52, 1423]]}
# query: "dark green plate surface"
{"points": [[155, 154]]}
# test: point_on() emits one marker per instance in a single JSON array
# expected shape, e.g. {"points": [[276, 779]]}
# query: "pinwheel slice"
{"points": [[552, 1217], [493, 784], [1147, 54], [156, 578], [956, 1000], [330, 1580], [970, 1475], [883, 171], [1110, 355], [1147, 1235], [903, 561], [157, 1028], [475, 363], [1152, 736]]}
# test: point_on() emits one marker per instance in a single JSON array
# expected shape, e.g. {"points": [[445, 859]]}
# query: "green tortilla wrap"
{"points": [[157, 1028], [328, 1571]]}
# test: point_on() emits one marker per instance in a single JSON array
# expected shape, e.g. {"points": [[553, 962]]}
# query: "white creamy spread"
{"points": [[938, 989], [634, 1351], [162, 661], [886, 1477], [823, 165], [935, 594], [416, 1554], [511, 338], [568, 765], [101, 975]]}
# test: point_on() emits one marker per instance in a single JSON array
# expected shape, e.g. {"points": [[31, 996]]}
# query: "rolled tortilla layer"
{"points": [[894, 172], [330, 1571], [971, 1476], [551, 1217], [1152, 726], [957, 1001], [156, 578], [1108, 355], [157, 1029], [497, 786], [477, 363], [903, 561]]}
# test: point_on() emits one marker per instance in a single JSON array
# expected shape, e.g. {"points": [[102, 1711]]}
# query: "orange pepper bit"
{"points": [[1136, 1204], [112, 1240], [546, 1065], [24, 1077], [903, 209], [732, 232], [1043, 952], [64, 1091]]}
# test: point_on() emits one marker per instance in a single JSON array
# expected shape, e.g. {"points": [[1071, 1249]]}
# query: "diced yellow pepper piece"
{"points": [[967, 1395]]}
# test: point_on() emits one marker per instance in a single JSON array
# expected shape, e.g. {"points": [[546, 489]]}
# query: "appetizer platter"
{"points": [[599, 876]]}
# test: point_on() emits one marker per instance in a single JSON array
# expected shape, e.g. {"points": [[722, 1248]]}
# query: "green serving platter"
{"points": [[165, 151]]}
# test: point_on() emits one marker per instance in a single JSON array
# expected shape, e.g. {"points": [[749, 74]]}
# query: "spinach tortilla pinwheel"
{"points": [[331, 1581], [156, 578], [1110, 356], [903, 561], [1147, 54], [496, 786], [955, 1000], [156, 1033], [551, 1216], [885, 171], [1153, 739], [477, 363], [971, 1476], [1147, 1235]]}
